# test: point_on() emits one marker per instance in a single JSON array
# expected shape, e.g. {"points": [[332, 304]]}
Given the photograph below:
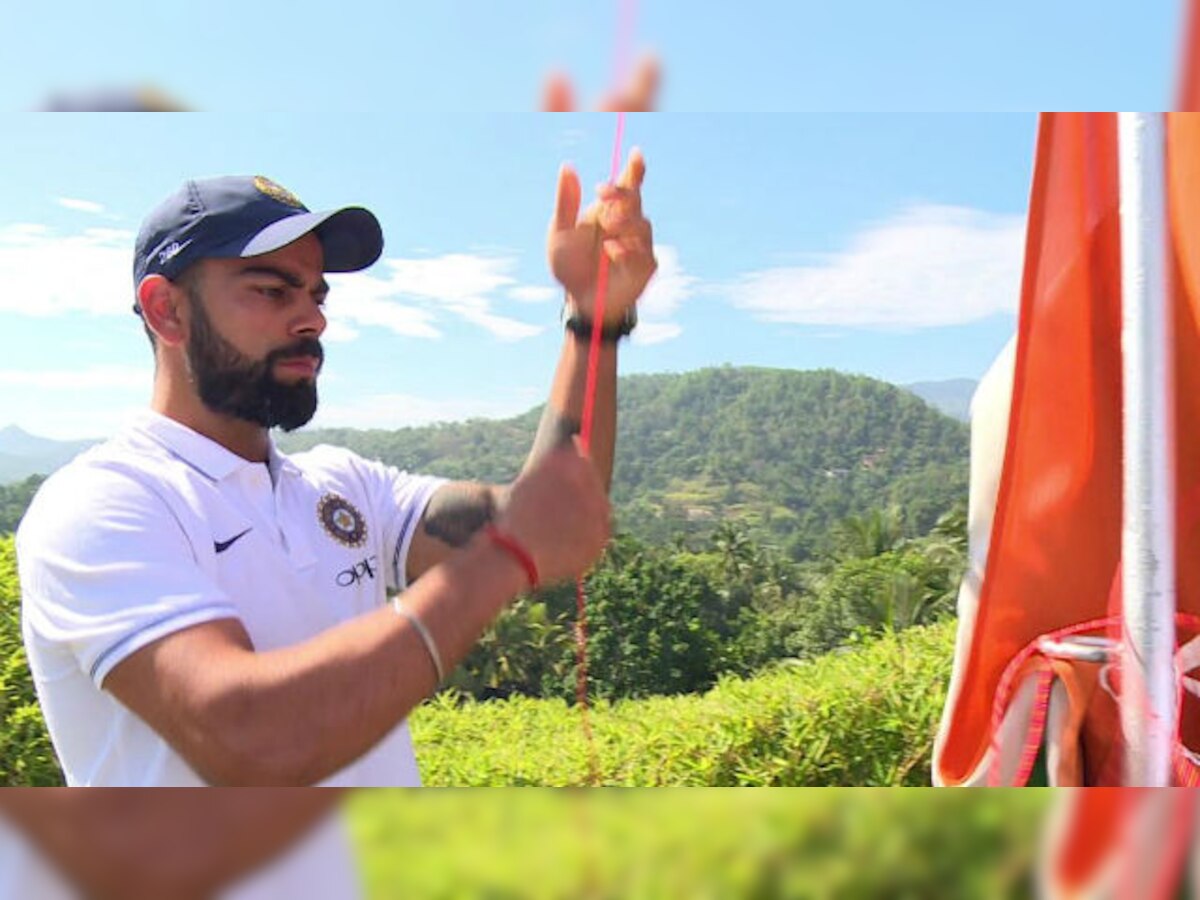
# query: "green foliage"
{"points": [[15, 499], [770, 515], [879, 582], [703, 844], [528, 650], [670, 620], [862, 716], [788, 453], [26, 755], [655, 624]]}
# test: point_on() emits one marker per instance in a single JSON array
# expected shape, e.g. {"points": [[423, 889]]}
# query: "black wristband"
{"points": [[581, 326]]}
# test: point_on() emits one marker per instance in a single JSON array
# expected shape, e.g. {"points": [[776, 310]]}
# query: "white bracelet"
{"points": [[426, 637]]}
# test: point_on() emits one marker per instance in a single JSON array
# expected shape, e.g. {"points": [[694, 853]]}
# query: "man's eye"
{"points": [[275, 293]]}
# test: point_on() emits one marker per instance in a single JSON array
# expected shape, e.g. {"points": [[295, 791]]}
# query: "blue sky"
{"points": [[480, 55], [882, 244], [886, 241]]}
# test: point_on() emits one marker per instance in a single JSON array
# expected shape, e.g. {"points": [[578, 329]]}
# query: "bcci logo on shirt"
{"points": [[342, 521]]}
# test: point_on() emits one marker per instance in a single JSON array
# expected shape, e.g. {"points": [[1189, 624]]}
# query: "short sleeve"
{"points": [[403, 498], [106, 567]]}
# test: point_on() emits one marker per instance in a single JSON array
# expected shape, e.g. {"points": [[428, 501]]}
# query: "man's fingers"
{"points": [[567, 199], [641, 93], [557, 94], [634, 172], [619, 210], [646, 81], [632, 247]]}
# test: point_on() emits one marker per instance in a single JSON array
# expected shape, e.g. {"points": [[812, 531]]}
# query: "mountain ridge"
{"points": [[788, 452]]}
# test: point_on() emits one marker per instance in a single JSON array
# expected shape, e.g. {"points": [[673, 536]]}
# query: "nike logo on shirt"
{"points": [[222, 546]]}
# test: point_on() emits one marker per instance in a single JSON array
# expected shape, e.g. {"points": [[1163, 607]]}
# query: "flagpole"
{"points": [[1148, 696]]}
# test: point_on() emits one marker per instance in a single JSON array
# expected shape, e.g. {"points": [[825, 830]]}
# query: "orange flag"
{"points": [[1055, 536], [1125, 843]]}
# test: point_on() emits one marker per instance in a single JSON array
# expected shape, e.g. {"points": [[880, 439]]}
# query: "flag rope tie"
{"points": [[1185, 771]]}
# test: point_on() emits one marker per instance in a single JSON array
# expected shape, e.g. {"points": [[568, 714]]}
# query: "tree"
{"points": [[869, 535], [26, 754]]}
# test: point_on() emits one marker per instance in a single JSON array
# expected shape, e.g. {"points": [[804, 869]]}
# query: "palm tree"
{"points": [[869, 535], [737, 551]]}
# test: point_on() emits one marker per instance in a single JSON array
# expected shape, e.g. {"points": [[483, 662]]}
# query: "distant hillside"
{"points": [[23, 454], [789, 452], [953, 396]]}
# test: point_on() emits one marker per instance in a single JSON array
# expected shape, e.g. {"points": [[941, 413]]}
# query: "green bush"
{"points": [[863, 716], [698, 844], [26, 755]]}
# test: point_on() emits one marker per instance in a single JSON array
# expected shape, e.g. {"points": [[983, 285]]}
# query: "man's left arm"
{"points": [[615, 226]]}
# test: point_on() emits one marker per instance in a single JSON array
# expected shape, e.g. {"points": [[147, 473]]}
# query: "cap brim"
{"points": [[351, 238]]}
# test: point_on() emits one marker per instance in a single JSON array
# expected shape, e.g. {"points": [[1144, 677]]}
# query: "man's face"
{"points": [[270, 305]]}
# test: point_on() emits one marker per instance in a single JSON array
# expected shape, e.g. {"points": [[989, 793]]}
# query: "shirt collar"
{"points": [[201, 453], [279, 462]]}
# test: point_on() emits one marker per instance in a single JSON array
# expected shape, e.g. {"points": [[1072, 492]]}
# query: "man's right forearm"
{"points": [[299, 714], [132, 844]]}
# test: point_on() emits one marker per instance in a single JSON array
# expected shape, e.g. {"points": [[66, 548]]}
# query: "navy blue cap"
{"points": [[240, 216]]}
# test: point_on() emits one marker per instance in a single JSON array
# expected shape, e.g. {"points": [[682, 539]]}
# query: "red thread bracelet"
{"points": [[513, 547]]}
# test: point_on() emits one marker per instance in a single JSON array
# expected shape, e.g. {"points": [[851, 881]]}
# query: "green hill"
{"points": [[790, 453], [23, 454]]}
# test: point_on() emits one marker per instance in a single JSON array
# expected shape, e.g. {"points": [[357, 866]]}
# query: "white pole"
{"points": [[1148, 707]]}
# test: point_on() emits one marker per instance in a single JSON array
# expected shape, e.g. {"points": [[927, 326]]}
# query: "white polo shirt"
{"points": [[161, 529]]}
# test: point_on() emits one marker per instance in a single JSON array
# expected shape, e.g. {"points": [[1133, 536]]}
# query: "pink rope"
{"points": [[620, 66]]}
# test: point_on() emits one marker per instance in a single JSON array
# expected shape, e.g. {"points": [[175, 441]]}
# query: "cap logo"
{"points": [[277, 192], [171, 251]]}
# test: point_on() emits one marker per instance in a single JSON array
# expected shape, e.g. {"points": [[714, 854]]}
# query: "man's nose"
{"points": [[310, 322]]}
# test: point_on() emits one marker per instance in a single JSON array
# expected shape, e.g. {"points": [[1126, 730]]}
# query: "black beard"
{"points": [[232, 384]]}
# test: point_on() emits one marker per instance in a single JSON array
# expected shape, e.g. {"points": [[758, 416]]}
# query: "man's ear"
{"points": [[160, 302]]}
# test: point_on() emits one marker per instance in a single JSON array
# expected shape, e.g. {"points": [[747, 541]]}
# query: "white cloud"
{"points": [[669, 287], [656, 332], [410, 296], [338, 331], [665, 293], [404, 410], [501, 327], [94, 378], [43, 273], [928, 266], [80, 205], [533, 294], [362, 301], [451, 277]]}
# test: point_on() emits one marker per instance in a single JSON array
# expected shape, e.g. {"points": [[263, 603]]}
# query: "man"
{"points": [[199, 608]]}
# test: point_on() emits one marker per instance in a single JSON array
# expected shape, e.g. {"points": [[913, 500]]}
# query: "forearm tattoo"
{"points": [[457, 511], [555, 430]]}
